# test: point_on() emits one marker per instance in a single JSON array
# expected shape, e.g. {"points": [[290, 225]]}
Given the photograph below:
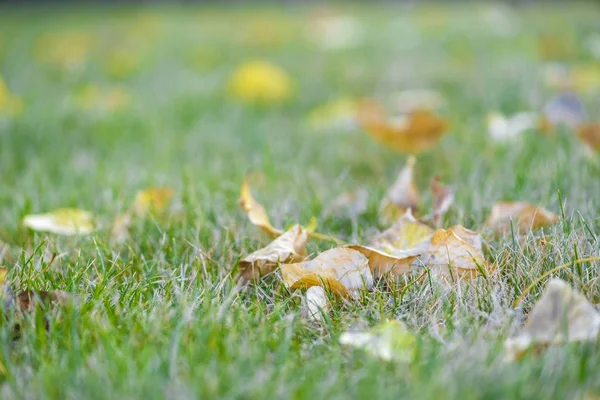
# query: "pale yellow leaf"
{"points": [[561, 315], [260, 81], [152, 201], [415, 132], [389, 341], [406, 234], [383, 264], [342, 270], [288, 248], [256, 212], [525, 217], [402, 196], [63, 221], [316, 304]]}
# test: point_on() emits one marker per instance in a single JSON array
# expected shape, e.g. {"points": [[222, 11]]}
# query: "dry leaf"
{"points": [[316, 304], [402, 196], [414, 132], [389, 341], [29, 299], [450, 258], [382, 263], [442, 197], [338, 115], [256, 212], [526, 217], [342, 270], [290, 247], [502, 128], [561, 315], [590, 134], [63, 221], [152, 201], [406, 234]]}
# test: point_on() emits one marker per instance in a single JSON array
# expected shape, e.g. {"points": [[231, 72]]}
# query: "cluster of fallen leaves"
{"points": [[409, 247]]}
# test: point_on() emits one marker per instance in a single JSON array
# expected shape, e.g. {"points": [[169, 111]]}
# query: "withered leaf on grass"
{"points": [[403, 195], [389, 341], [152, 201], [256, 212], [415, 132], [382, 263], [316, 303], [525, 217], [590, 135], [561, 315], [63, 221], [29, 299], [442, 197], [449, 258], [341, 270], [288, 248], [406, 234]]}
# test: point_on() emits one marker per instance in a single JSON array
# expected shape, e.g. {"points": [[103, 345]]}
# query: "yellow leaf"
{"points": [[415, 132], [342, 270], [316, 304], [450, 258], [406, 234], [152, 201], [288, 248], [338, 114], [525, 217], [383, 264], [256, 212], [442, 197], [63, 221], [402, 196], [260, 82], [10, 104], [561, 315], [389, 341], [120, 228]]}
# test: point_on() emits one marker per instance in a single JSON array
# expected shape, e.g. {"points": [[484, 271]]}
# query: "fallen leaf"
{"points": [[502, 128], [120, 227], [152, 201], [442, 197], [590, 134], [10, 104], [382, 263], [341, 270], [389, 341], [316, 304], [402, 196], [414, 132], [290, 247], [27, 300], [63, 221], [260, 81], [450, 258], [406, 234], [256, 212], [526, 216], [561, 315], [338, 114]]}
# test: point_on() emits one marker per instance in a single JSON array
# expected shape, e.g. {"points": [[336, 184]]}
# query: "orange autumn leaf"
{"points": [[590, 134], [255, 211], [525, 217], [415, 132]]}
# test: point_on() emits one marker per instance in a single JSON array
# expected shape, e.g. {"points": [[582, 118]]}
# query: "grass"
{"points": [[159, 316]]}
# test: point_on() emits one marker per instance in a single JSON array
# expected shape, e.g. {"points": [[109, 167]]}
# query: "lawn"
{"points": [[105, 102]]}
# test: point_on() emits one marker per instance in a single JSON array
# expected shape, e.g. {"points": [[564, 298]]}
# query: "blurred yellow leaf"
{"points": [[10, 104], [389, 341], [402, 196], [152, 201], [382, 263], [406, 234], [442, 197], [288, 248], [63, 221], [260, 82], [561, 315], [415, 132], [526, 217], [256, 212], [341, 270], [337, 114]]}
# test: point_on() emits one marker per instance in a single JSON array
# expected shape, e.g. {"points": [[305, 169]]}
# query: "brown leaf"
{"points": [[402, 196], [526, 217], [342, 270], [417, 131], [29, 299], [290, 247], [590, 134], [561, 315], [256, 212], [442, 198]]}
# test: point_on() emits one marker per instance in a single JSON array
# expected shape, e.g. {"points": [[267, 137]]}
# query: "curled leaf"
{"points": [[561, 315], [256, 212], [526, 217], [288, 248], [402, 196], [63, 221], [414, 132], [406, 234], [316, 303], [388, 341], [341, 270], [382, 263]]}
